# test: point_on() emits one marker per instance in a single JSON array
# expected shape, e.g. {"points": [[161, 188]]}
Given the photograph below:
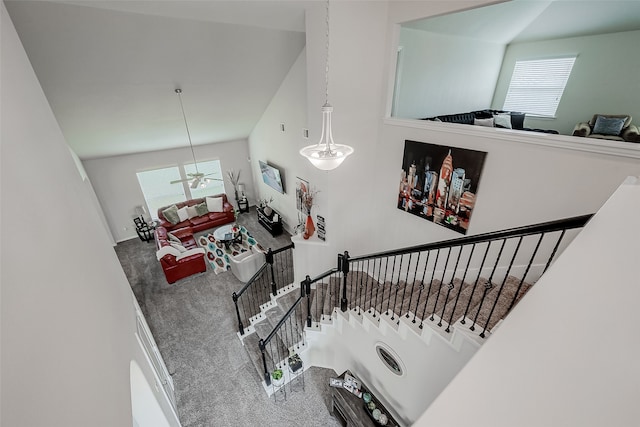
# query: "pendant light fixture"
{"points": [[326, 154], [197, 178]]}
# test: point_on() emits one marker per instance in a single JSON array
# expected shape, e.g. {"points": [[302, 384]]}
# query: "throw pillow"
{"points": [[191, 210], [502, 120], [178, 247], [183, 215], [609, 125], [517, 120], [214, 204], [167, 250], [173, 238], [171, 214], [484, 122], [201, 209]]}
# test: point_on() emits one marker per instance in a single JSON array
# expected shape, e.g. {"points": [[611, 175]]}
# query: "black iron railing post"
{"points": [[240, 326], [269, 259], [343, 265], [267, 376], [306, 291]]}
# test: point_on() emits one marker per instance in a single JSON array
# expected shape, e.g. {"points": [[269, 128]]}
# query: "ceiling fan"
{"points": [[197, 178]]}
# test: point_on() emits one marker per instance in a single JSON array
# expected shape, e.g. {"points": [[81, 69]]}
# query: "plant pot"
{"points": [[278, 382], [295, 366]]}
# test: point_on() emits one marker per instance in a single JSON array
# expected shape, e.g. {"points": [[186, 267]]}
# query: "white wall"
{"points": [[443, 74], [67, 316], [567, 356], [604, 78], [116, 184], [268, 143]]}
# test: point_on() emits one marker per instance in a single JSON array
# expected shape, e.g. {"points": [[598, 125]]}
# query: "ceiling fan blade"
{"points": [[179, 180]]}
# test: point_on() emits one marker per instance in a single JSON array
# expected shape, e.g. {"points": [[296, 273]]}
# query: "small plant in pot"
{"points": [[277, 377], [295, 363]]}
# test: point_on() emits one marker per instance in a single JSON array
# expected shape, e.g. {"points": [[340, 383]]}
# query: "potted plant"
{"points": [[295, 363], [277, 377]]}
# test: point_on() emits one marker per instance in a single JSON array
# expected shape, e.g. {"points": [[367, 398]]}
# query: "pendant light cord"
{"points": [[184, 117], [326, 69]]}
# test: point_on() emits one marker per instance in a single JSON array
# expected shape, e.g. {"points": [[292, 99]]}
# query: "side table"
{"points": [[350, 409], [145, 230], [243, 205]]}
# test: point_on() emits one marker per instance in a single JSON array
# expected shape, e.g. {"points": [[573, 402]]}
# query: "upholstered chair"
{"points": [[246, 264], [607, 126]]}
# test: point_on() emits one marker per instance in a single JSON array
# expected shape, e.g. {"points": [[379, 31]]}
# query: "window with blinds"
{"points": [[537, 85]]}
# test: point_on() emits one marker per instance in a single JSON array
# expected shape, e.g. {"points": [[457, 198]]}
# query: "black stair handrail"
{"points": [[545, 227], [269, 254], [254, 281]]}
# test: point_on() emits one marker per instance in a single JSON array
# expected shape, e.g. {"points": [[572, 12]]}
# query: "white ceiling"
{"points": [[533, 20], [109, 69]]}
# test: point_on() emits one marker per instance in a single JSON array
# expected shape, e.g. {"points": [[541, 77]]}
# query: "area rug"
{"points": [[218, 254]]}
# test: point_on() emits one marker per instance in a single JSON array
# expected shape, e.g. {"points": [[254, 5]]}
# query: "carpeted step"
{"points": [[253, 350], [276, 349], [504, 298]]}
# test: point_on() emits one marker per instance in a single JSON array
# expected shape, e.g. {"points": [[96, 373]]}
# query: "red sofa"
{"points": [[178, 264], [202, 222]]}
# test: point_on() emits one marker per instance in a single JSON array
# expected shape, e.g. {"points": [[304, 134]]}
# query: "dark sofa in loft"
{"points": [[489, 118]]}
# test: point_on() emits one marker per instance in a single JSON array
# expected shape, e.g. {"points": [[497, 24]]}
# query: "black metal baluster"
{"points": [[397, 286], [506, 276], [406, 283], [370, 280], [489, 285], [555, 249], [377, 285], [393, 270], [426, 302], [464, 276], [413, 284], [475, 285], [444, 273], [526, 271], [450, 288], [421, 288]]}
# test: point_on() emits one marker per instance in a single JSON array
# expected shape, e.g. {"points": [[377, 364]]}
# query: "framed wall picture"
{"points": [[440, 183], [302, 188]]}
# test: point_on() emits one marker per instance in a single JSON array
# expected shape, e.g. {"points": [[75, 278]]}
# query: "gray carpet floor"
{"points": [[193, 322]]}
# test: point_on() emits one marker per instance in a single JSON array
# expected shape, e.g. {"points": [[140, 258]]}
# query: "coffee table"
{"points": [[226, 235]]}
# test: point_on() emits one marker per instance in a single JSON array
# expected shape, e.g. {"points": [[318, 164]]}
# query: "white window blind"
{"points": [[158, 191], [537, 85]]}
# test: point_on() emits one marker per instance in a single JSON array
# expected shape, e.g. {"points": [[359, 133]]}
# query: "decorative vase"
{"points": [[309, 228]]}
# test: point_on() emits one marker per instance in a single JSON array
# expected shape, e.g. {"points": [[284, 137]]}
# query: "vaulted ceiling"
{"points": [[110, 69]]}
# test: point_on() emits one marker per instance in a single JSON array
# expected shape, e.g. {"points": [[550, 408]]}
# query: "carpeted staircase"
{"points": [[392, 301]]}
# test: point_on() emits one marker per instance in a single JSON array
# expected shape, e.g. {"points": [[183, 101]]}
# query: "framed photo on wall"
{"points": [[440, 183], [302, 187]]}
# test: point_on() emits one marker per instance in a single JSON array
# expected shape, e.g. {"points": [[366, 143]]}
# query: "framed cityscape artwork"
{"points": [[440, 183]]}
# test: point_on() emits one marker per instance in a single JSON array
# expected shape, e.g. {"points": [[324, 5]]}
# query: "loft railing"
{"points": [[275, 274]]}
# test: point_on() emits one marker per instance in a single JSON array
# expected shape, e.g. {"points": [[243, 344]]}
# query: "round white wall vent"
{"points": [[390, 358]]}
